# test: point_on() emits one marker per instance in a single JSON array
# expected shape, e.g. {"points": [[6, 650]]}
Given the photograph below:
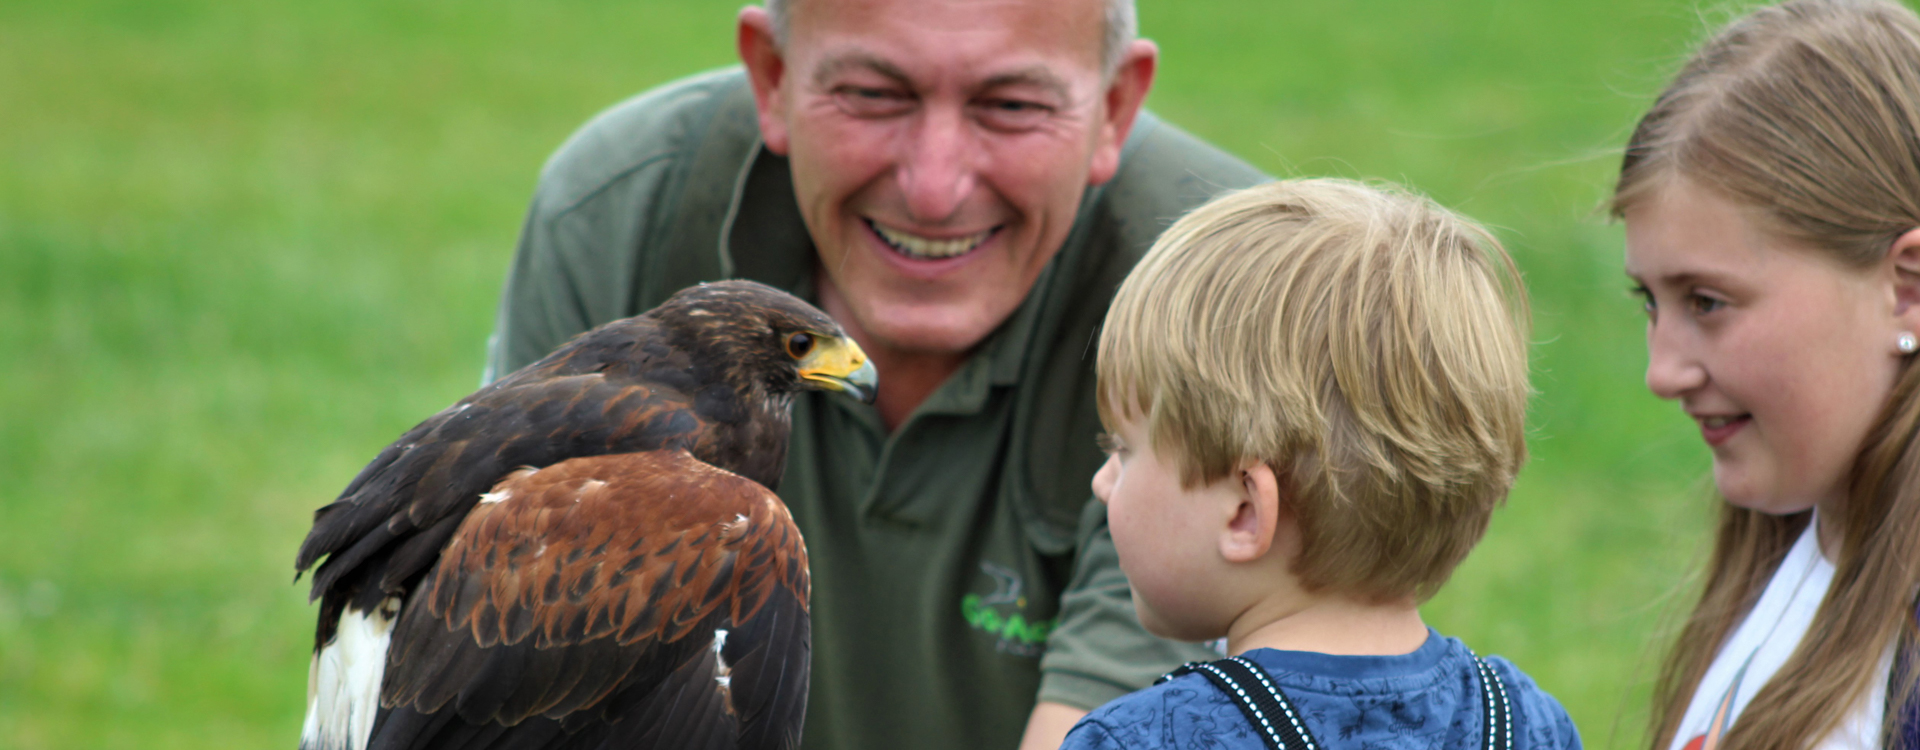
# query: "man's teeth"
{"points": [[922, 247]]}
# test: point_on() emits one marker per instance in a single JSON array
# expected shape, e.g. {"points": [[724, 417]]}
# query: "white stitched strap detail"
{"points": [[1247, 700], [1489, 722], [1498, 718], [1506, 709], [1280, 698]]}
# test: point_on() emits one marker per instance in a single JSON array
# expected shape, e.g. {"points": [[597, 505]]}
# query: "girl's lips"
{"points": [[1718, 430]]}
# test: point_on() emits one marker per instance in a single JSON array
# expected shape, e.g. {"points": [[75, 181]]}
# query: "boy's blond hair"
{"points": [[1367, 344]]}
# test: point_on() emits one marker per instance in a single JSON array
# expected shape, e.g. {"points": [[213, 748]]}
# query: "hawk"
{"points": [[588, 552]]}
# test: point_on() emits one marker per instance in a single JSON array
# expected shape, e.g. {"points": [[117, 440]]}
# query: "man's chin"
{"points": [[927, 332], [930, 342]]}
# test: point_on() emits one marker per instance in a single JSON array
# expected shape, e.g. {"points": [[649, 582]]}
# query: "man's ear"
{"points": [[1120, 105], [766, 71], [1250, 532]]}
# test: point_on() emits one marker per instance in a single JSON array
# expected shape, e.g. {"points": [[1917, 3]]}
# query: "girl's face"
{"points": [[1781, 354]]}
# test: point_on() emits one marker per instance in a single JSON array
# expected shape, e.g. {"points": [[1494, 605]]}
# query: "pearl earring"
{"points": [[1907, 344]]}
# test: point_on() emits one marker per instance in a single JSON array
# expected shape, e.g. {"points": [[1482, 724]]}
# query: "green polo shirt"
{"points": [[961, 570]]}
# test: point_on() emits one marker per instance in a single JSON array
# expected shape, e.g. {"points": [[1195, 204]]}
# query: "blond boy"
{"points": [[1316, 395]]}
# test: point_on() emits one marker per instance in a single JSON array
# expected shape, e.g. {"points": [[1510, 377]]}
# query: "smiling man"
{"points": [[962, 184]]}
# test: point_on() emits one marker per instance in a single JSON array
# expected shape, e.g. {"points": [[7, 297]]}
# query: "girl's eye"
{"points": [[1703, 304], [1646, 298]]}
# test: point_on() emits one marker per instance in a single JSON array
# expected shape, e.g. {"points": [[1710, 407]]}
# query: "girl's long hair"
{"points": [[1808, 111]]}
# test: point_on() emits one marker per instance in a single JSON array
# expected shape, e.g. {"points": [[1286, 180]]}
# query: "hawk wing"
{"points": [[387, 527], [631, 600]]}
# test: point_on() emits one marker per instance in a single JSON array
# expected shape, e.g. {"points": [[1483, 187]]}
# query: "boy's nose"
{"points": [[1104, 478]]}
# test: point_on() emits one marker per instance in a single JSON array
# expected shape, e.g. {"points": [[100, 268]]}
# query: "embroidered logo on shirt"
{"points": [[1001, 614]]}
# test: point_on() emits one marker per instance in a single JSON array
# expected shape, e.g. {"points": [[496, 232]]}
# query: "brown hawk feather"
{"points": [[587, 552]]}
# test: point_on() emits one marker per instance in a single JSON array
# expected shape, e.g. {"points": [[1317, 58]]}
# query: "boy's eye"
{"points": [[1109, 443]]}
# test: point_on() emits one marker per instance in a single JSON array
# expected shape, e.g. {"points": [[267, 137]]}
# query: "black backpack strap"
{"points": [[1497, 709], [1278, 722], [1259, 698]]}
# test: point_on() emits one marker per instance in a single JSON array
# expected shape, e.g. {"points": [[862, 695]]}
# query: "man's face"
{"points": [[939, 150]]}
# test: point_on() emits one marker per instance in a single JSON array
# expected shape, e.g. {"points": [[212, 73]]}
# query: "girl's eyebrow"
{"points": [[1679, 278], [1685, 278]]}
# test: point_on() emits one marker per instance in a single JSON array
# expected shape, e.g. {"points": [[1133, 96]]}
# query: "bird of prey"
{"points": [[586, 553]]}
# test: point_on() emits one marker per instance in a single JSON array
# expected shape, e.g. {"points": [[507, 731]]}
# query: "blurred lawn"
{"points": [[243, 244]]}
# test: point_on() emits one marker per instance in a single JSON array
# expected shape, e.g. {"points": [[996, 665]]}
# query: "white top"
{"points": [[1762, 644]]}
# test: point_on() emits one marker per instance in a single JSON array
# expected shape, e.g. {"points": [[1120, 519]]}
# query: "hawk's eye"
{"points": [[799, 344]]}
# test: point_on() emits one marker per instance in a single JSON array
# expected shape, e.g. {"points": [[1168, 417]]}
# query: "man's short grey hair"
{"points": [[1122, 25]]}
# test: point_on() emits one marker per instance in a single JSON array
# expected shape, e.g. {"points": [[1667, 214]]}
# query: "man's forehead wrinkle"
{"points": [[835, 65], [1038, 75]]}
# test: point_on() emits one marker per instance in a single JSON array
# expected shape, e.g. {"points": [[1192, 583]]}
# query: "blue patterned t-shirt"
{"points": [[1425, 700]]}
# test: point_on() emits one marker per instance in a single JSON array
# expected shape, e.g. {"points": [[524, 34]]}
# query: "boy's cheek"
{"points": [[1130, 566], [1173, 621], [1148, 618]]}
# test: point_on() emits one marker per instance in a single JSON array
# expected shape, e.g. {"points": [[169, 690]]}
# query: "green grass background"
{"points": [[245, 243]]}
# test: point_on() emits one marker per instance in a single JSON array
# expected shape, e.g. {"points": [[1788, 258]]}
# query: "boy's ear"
{"points": [[1249, 534]]}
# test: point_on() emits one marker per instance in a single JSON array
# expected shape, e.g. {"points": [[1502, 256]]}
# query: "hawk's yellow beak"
{"points": [[838, 364]]}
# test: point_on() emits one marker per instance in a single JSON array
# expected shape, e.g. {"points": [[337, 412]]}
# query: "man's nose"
{"points": [[936, 171], [1673, 368]]}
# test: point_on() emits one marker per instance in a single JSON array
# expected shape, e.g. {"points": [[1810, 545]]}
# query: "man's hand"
{"points": [[1048, 726]]}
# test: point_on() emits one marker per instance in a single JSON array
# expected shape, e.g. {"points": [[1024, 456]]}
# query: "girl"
{"points": [[1772, 207]]}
